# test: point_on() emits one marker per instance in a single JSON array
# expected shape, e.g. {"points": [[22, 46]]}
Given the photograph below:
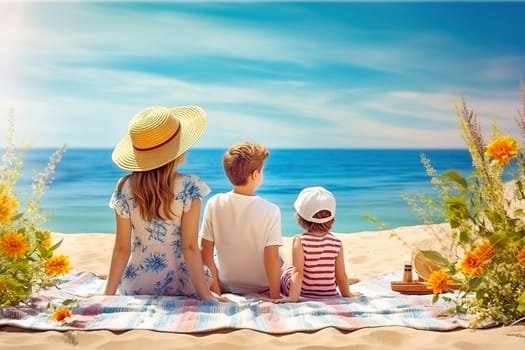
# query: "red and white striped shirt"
{"points": [[319, 265]]}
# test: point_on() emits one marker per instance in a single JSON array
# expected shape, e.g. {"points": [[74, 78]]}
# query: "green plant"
{"points": [[485, 210], [27, 260]]}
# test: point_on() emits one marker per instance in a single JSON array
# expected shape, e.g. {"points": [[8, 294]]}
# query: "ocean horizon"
{"points": [[365, 182]]}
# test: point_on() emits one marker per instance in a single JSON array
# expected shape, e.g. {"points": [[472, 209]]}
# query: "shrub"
{"points": [[27, 260], [485, 211]]}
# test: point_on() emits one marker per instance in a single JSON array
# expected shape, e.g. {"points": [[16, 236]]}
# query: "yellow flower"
{"points": [[57, 265], [46, 241], [61, 313], [472, 264], [484, 252], [502, 149], [13, 244], [438, 281], [24, 247], [8, 205], [521, 257], [481, 207]]}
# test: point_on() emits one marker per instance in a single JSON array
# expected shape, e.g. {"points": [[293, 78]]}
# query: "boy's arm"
{"points": [[272, 265], [207, 248]]}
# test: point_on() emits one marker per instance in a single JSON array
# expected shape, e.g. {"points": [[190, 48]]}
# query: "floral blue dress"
{"points": [[156, 265]]}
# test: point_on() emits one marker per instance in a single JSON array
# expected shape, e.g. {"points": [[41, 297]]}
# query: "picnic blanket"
{"points": [[378, 306]]}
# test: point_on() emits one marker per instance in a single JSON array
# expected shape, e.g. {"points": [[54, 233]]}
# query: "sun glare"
{"points": [[11, 33]]}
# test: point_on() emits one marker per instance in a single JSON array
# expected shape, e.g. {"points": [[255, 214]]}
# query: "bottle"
{"points": [[407, 273]]}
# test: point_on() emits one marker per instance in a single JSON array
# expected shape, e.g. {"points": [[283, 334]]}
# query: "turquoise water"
{"points": [[365, 182]]}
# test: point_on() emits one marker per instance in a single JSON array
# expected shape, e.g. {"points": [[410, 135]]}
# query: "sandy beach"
{"points": [[366, 254]]}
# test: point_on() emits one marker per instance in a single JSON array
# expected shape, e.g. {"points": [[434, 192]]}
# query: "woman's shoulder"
{"points": [[191, 184], [189, 178], [122, 183]]}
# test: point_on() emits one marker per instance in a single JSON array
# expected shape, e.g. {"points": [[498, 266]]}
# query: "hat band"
{"points": [[160, 144], [321, 220]]}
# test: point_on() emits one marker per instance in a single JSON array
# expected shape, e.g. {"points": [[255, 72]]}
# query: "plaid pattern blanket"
{"points": [[378, 306]]}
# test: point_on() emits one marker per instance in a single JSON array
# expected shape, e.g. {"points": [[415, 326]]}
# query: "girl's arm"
{"points": [[207, 248], [191, 251], [296, 280], [121, 251], [341, 278]]}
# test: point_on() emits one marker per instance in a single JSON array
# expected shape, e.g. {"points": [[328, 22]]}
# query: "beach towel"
{"points": [[377, 306]]}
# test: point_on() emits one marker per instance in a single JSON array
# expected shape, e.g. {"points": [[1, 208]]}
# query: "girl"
{"points": [[157, 209], [318, 263]]}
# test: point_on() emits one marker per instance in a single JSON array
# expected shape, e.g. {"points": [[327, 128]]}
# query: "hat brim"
{"points": [[192, 121]]}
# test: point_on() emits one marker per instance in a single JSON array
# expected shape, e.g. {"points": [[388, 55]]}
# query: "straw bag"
{"points": [[423, 265]]}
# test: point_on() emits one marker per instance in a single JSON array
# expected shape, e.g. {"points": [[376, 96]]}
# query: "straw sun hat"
{"points": [[423, 265], [157, 135]]}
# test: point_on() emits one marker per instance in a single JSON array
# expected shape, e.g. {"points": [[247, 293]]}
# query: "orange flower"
{"points": [[8, 205], [502, 149], [13, 244], [438, 281], [521, 257], [57, 265], [61, 313], [46, 240], [484, 252], [472, 264]]}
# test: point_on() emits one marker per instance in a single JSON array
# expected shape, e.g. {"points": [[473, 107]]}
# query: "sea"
{"points": [[367, 183]]}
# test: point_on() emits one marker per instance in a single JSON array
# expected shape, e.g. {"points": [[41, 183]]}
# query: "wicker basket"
{"points": [[423, 265]]}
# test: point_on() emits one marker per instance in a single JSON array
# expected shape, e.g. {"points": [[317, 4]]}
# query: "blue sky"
{"points": [[296, 74]]}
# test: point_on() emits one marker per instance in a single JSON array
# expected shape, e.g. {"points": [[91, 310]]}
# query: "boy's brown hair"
{"points": [[242, 159]]}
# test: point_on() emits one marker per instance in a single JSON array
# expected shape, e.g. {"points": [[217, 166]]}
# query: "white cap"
{"points": [[312, 200]]}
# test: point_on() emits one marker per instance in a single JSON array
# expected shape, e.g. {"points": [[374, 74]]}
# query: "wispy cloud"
{"points": [[290, 75]]}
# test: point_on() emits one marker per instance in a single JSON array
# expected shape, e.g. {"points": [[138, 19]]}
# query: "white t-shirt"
{"points": [[241, 227]]}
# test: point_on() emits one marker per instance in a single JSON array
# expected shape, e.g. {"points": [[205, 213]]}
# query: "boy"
{"points": [[243, 228]]}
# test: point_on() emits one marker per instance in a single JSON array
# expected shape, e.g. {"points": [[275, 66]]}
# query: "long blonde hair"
{"points": [[153, 190]]}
